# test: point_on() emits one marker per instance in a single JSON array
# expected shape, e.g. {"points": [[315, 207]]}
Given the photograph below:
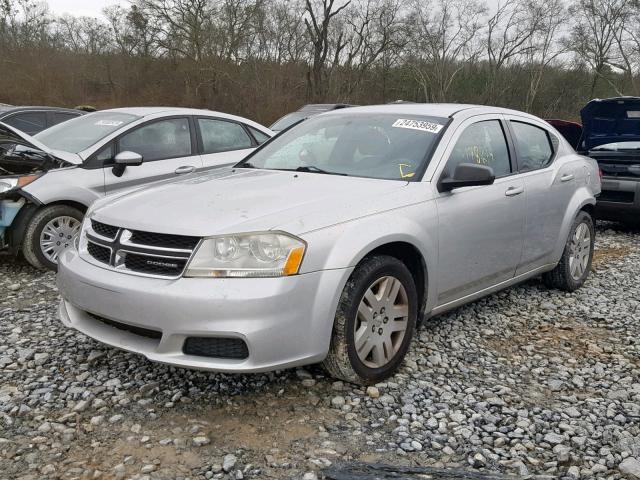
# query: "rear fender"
{"points": [[581, 199]]}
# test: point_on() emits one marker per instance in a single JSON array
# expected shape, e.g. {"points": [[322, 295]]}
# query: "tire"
{"points": [[562, 277], [31, 243], [372, 276]]}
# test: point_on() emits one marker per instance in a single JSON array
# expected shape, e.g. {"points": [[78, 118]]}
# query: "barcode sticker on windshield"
{"points": [[108, 123], [418, 125]]}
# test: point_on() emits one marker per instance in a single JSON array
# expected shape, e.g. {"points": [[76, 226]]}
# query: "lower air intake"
{"points": [[233, 348]]}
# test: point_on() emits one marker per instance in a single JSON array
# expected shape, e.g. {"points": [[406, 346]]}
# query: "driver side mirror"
{"points": [[467, 175], [125, 159]]}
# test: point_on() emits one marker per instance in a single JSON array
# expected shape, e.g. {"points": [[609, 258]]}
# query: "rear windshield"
{"points": [[386, 146], [80, 133]]}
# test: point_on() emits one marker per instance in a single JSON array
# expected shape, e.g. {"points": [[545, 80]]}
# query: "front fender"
{"points": [[346, 244]]}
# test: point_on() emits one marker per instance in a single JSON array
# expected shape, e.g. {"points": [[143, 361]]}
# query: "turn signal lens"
{"points": [[293, 261], [26, 180]]}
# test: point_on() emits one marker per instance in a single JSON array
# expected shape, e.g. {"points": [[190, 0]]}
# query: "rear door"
{"points": [[168, 148], [549, 185], [479, 228], [223, 142]]}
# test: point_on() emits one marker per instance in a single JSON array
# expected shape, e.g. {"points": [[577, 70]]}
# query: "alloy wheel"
{"points": [[579, 251], [57, 235], [381, 322]]}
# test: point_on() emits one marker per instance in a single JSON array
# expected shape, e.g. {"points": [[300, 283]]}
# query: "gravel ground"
{"points": [[528, 381]]}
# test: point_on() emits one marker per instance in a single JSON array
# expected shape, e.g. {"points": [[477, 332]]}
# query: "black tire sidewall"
{"points": [[38, 223], [394, 268]]}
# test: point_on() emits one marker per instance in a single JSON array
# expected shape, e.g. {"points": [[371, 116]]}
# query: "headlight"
{"points": [[263, 254], [7, 184]]}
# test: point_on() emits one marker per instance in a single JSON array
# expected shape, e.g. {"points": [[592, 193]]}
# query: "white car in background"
{"points": [[48, 181]]}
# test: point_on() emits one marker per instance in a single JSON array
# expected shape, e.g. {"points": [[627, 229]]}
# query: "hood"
{"points": [[14, 160], [242, 200], [610, 120]]}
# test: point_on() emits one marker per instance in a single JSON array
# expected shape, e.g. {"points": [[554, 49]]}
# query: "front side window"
{"points": [[482, 143], [386, 146], [222, 136], [159, 140], [80, 133], [28, 122], [532, 146]]}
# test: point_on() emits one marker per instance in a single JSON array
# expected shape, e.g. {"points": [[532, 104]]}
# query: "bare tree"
{"points": [[183, 27], [545, 45], [318, 20], [444, 40], [593, 37], [509, 33], [373, 27]]}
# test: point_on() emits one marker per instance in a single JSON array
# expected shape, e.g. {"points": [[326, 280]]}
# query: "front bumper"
{"points": [[283, 321], [619, 200]]}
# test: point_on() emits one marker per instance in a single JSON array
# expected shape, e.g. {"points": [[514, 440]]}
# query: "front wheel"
{"points": [[574, 266], [374, 322], [50, 231]]}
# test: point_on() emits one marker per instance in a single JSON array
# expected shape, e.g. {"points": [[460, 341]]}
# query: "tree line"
{"points": [[263, 58]]}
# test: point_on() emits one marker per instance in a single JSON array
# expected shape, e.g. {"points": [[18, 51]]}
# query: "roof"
{"points": [[430, 109], [148, 111], [5, 109]]}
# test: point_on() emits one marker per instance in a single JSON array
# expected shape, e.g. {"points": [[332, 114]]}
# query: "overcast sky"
{"points": [[91, 8]]}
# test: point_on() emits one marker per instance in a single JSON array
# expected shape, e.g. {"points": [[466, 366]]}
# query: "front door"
{"points": [[168, 150], [480, 228]]}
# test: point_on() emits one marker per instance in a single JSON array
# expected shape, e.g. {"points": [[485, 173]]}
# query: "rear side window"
{"points": [[28, 122], [258, 135], [59, 117], [222, 136], [533, 146], [159, 140], [482, 143]]}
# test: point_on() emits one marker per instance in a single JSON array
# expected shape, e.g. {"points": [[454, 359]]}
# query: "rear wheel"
{"points": [[374, 322], [574, 266], [50, 231]]}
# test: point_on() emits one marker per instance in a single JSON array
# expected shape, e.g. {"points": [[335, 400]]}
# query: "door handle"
{"points": [[566, 178], [184, 169], [513, 191]]}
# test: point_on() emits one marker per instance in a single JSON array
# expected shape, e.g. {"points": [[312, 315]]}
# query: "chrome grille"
{"points": [[138, 252], [107, 231]]}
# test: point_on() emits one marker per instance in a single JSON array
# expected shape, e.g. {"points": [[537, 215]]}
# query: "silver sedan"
{"points": [[332, 241]]}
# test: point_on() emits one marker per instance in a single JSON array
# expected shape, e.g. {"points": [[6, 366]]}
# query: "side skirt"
{"points": [[445, 307]]}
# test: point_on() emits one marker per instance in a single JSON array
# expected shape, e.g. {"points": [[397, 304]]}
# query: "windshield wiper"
{"points": [[314, 169]]}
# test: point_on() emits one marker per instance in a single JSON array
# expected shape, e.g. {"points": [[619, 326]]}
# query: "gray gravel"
{"points": [[528, 381]]}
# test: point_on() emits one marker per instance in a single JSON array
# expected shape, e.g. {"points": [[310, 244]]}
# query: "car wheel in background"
{"points": [[50, 231], [575, 264], [374, 322]]}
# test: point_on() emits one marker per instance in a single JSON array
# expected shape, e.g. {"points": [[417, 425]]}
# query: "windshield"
{"points": [[386, 146], [618, 146], [80, 133], [287, 121]]}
